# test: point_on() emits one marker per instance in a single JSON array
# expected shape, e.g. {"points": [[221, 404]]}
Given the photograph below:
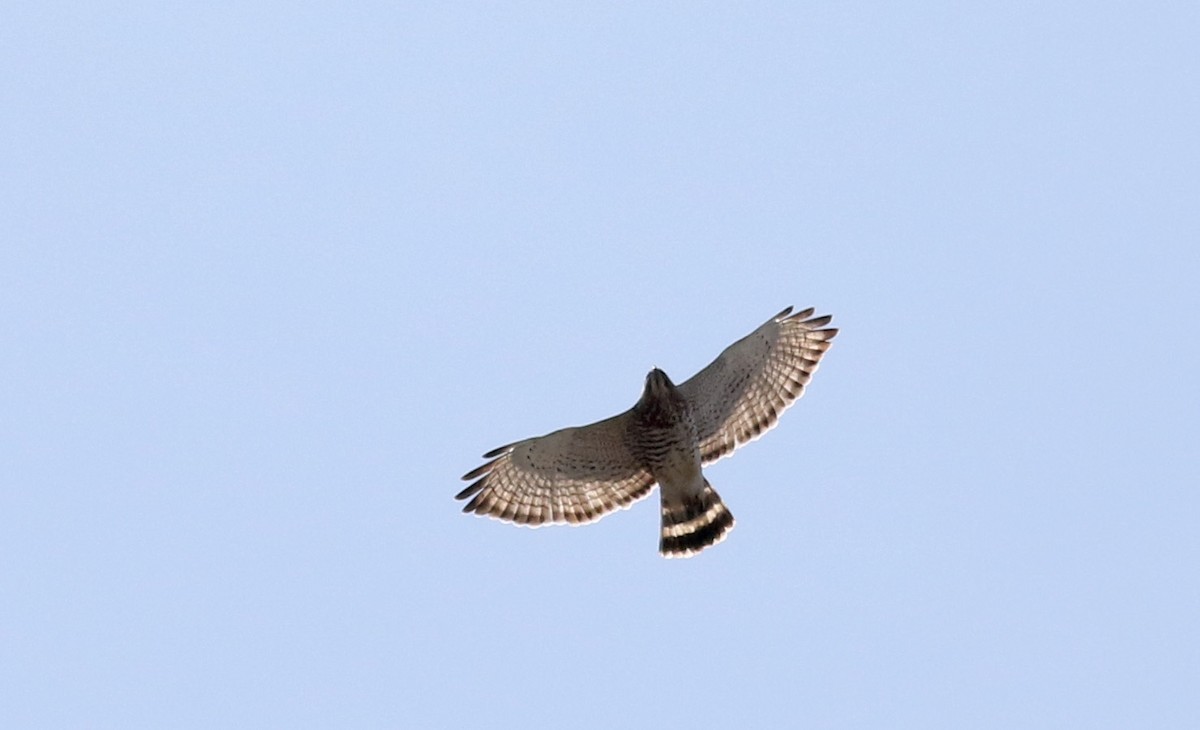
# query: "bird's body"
{"points": [[663, 433], [693, 516], [578, 475]]}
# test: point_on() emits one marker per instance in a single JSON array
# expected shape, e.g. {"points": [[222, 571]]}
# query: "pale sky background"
{"points": [[272, 277]]}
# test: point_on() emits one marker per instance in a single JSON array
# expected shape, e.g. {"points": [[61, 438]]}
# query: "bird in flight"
{"points": [[577, 475]]}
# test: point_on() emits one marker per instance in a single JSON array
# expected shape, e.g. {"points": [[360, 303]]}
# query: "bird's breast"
{"points": [[668, 447]]}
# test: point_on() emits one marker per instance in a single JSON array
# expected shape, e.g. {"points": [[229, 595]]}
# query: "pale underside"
{"points": [[578, 475]]}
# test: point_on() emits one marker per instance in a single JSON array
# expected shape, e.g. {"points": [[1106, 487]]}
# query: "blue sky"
{"points": [[273, 276]]}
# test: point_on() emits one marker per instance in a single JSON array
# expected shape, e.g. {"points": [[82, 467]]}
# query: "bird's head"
{"points": [[658, 384]]}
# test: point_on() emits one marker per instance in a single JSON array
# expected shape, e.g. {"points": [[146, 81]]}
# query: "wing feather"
{"points": [[574, 475], [740, 395]]}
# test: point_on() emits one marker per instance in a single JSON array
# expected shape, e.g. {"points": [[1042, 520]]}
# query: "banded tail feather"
{"points": [[698, 522]]}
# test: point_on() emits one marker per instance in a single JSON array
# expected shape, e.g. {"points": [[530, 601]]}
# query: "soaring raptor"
{"points": [[578, 475]]}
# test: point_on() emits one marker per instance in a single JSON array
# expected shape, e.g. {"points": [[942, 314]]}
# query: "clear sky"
{"points": [[273, 276]]}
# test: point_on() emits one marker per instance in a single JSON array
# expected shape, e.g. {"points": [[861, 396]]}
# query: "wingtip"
{"points": [[498, 451], [796, 316], [479, 470], [471, 489]]}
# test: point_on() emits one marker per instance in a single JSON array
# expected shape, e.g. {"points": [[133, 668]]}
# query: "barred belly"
{"points": [[670, 453]]}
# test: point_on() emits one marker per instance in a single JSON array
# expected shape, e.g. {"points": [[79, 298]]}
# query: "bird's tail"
{"points": [[696, 522]]}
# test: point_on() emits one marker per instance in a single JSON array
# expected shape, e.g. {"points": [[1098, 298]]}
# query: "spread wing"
{"points": [[742, 393], [575, 475]]}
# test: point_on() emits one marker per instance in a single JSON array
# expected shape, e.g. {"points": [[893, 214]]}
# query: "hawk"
{"points": [[578, 475]]}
